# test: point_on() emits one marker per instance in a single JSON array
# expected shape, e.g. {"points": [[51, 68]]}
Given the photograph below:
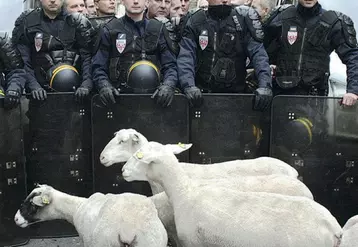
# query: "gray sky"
{"points": [[348, 7], [9, 11]]}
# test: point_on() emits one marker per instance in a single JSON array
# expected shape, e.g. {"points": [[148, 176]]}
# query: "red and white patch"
{"points": [[121, 42], [203, 39], [292, 35], [38, 41]]}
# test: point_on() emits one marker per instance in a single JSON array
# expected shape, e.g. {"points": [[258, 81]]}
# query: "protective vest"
{"points": [[47, 50], [127, 48], [304, 55], [221, 58]]}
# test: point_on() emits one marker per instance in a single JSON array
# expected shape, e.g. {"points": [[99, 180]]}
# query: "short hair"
{"points": [[270, 4]]}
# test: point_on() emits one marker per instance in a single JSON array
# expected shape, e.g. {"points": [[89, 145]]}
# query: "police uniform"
{"points": [[305, 38], [123, 46], [300, 41], [50, 48], [97, 24], [214, 49], [12, 74]]}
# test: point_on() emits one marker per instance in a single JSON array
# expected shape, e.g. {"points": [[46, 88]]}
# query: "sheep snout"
{"points": [[20, 220]]}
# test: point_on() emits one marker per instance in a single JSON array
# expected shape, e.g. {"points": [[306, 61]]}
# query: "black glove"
{"points": [[193, 94], [164, 95], [39, 94], [262, 100], [107, 95], [81, 93], [12, 99]]}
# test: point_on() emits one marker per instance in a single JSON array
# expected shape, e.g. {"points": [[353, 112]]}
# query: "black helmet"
{"points": [[63, 78], [143, 77]]}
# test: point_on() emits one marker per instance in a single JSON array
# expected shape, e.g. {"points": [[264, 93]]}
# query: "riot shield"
{"points": [[12, 175], [140, 112], [225, 128], [58, 151], [319, 137]]}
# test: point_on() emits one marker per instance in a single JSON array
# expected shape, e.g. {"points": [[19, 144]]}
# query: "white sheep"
{"points": [[100, 220], [218, 216], [350, 235], [128, 141]]}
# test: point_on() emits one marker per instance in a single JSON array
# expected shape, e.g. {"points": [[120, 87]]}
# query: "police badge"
{"points": [[121, 42], [292, 35], [203, 39], [38, 41]]}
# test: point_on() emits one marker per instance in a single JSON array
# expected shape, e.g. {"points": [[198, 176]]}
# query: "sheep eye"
{"points": [[120, 142]]}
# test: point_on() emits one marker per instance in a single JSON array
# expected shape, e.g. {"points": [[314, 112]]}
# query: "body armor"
{"points": [[48, 50], [304, 55], [127, 48]]}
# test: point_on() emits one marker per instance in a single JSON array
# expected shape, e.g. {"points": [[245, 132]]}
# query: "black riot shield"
{"points": [[58, 151], [140, 112], [225, 128], [319, 137], [12, 175]]}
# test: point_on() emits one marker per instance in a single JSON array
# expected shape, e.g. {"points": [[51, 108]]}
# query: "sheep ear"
{"points": [[41, 200], [178, 148]]}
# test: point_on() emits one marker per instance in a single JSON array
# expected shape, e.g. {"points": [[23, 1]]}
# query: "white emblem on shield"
{"points": [[203, 39], [292, 35], [38, 41], [121, 42]]}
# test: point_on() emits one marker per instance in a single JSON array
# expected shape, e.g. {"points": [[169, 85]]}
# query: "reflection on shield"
{"points": [[325, 156]]}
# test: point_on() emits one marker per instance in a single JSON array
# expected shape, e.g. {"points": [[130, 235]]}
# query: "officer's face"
{"points": [[105, 7], [308, 3], [51, 5], [91, 9], [73, 6], [176, 9], [203, 4], [134, 6], [158, 8], [219, 2], [185, 6], [256, 4]]}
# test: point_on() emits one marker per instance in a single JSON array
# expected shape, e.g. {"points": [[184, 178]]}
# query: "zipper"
{"points": [[214, 53], [49, 42], [133, 46], [301, 52]]}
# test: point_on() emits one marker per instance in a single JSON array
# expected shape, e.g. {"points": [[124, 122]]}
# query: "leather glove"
{"points": [[12, 99], [164, 95], [263, 97], [81, 93], [193, 94], [39, 94], [107, 95]]}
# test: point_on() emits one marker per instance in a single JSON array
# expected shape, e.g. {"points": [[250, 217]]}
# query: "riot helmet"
{"points": [[63, 78], [143, 77]]}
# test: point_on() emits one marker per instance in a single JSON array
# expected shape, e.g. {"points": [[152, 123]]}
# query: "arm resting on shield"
{"points": [[168, 63], [100, 61], [86, 69], [345, 44]]}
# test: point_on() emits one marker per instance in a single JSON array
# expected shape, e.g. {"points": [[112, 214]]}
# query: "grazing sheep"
{"points": [[217, 216], [101, 220], [128, 141], [350, 235]]}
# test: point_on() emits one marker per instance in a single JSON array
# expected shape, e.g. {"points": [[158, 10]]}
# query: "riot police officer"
{"points": [[214, 49], [300, 40], [12, 74], [55, 48], [305, 35], [131, 56]]}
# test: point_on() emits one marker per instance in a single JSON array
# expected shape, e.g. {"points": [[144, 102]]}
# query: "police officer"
{"points": [[54, 46], [131, 56], [214, 49], [12, 74], [301, 39]]}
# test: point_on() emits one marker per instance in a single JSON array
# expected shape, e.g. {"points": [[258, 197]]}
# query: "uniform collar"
{"points": [[139, 23], [60, 16], [309, 12]]}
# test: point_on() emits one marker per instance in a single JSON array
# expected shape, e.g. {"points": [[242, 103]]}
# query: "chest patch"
{"points": [[292, 35]]}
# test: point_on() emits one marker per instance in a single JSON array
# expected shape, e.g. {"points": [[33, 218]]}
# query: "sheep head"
{"points": [[35, 206], [139, 165], [122, 146]]}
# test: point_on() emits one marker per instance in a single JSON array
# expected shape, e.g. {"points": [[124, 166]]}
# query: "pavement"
{"points": [[54, 242]]}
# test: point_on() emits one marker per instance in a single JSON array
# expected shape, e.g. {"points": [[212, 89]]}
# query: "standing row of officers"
{"points": [[160, 47]]}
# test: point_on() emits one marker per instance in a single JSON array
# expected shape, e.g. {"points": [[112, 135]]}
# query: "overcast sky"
{"points": [[9, 11]]}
